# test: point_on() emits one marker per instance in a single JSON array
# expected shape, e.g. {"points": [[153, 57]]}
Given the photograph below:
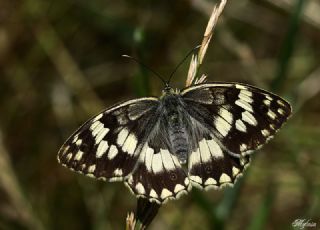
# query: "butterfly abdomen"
{"points": [[176, 128]]}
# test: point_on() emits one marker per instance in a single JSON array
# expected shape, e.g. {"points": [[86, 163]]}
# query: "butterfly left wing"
{"points": [[230, 120], [108, 146]]}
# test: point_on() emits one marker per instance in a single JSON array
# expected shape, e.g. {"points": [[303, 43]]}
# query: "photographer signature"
{"points": [[304, 223]]}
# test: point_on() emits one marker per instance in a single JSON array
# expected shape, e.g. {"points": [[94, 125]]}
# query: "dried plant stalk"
{"points": [[197, 60], [130, 221]]}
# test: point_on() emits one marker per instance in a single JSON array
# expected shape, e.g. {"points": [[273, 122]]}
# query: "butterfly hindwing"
{"points": [[108, 145], [210, 166], [158, 176]]}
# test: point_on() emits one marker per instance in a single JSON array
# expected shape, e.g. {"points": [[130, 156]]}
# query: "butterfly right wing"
{"points": [[230, 120]]}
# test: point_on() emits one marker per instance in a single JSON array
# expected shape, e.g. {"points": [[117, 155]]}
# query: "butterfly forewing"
{"points": [[230, 120], [241, 117], [108, 145]]}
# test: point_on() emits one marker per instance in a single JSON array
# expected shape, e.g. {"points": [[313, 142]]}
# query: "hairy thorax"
{"points": [[173, 116]]}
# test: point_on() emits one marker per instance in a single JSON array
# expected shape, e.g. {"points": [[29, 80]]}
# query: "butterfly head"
{"points": [[168, 90]]}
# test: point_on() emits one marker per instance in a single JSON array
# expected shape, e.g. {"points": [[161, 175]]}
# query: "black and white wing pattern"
{"points": [[235, 120], [128, 143], [145, 142], [107, 146], [158, 176]]}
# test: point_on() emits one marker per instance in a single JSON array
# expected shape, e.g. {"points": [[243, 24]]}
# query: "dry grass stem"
{"points": [[201, 79], [130, 221], [197, 60]]}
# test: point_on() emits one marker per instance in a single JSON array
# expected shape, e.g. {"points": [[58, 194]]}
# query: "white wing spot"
{"points": [[130, 144], [79, 142], [194, 158], [281, 111], [78, 156], [113, 151], [96, 127], [90, 175], [196, 179], [75, 138], [165, 193], [235, 171], [243, 161], [91, 168], [245, 105], [238, 86], [140, 189], [281, 103], [148, 159], [65, 150], [204, 151], [224, 178], [243, 147], [225, 114], [249, 118], [97, 117], [102, 148], [269, 138], [246, 96], [157, 165], [246, 92], [222, 126], [210, 181], [118, 172], [153, 193], [241, 126], [265, 132], [272, 126], [122, 136], [267, 102], [186, 181], [268, 97], [178, 188], [167, 159], [69, 156], [130, 180], [215, 149], [101, 134], [271, 114]]}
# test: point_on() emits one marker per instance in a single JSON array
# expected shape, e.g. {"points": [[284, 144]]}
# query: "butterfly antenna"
{"points": [[145, 66], [183, 60]]}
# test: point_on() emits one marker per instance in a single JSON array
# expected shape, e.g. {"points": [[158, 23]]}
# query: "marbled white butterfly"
{"points": [[160, 147]]}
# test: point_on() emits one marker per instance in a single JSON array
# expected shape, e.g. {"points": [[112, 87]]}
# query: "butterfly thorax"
{"points": [[175, 122]]}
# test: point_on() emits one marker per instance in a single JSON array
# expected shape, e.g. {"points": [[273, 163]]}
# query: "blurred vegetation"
{"points": [[60, 63]]}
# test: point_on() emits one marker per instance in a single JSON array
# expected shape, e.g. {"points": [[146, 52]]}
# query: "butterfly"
{"points": [[201, 136]]}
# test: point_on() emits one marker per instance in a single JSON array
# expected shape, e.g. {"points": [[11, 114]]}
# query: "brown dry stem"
{"points": [[197, 59]]}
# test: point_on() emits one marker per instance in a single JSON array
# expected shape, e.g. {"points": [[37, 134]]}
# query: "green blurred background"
{"points": [[60, 63]]}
